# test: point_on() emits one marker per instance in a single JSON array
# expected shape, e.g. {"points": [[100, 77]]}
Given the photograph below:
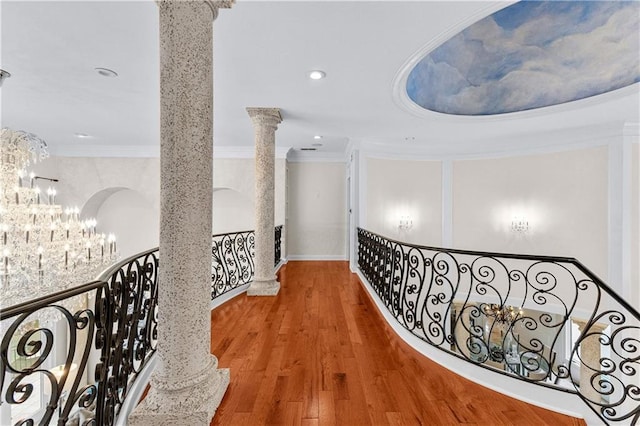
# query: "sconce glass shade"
{"points": [[405, 222], [519, 224]]}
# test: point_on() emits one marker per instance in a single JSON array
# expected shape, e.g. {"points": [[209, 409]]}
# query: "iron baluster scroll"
{"points": [[81, 348], [127, 333], [278, 245], [515, 314], [76, 354], [44, 356], [232, 263]]}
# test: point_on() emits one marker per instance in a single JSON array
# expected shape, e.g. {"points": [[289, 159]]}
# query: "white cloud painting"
{"points": [[529, 55]]}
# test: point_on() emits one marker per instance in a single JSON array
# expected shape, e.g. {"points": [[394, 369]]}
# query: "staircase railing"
{"points": [[543, 320], [75, 355]]}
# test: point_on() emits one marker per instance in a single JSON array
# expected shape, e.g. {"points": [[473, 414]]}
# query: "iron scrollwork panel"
{"points": [[232, 259], [45, 350], [512, 313], [128, 314], [232, 262]]}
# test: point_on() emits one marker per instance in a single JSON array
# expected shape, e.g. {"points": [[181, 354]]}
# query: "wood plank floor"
{"points": [[320, 354]]}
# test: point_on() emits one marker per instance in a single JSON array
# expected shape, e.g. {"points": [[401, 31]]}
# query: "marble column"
{"points": [[590, 354], [265, 122], [186, 386]]}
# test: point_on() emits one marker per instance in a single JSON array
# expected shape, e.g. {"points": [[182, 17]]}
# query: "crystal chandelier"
{"points": [[502, 314], [43, 247]]}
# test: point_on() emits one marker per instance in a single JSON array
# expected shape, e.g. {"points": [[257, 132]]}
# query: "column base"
{"points": [[263, 288], [194, 405]]}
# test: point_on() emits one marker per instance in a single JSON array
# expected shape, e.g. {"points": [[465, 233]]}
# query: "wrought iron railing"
{"points": [[278, 245], [80, 347], [232, 260], [518, 315], [72, 357]]}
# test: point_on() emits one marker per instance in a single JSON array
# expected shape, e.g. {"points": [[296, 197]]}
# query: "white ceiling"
{"points": [[262, 53]]}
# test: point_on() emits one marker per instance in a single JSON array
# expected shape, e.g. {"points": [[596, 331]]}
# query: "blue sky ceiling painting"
{"points": [[529, 55]]}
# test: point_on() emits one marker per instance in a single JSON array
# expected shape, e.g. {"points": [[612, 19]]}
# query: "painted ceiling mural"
{"points": [[529, 55]]}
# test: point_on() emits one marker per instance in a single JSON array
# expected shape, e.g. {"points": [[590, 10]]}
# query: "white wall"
{"points": [[130, 209], [635, 224], [124, 195], [317, 216], [232, 211], [238, 174], [398, 188], [134, 222], [563, 196]]}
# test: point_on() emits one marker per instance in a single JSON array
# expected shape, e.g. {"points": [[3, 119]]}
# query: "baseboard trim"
{"points": [[317, 257]]}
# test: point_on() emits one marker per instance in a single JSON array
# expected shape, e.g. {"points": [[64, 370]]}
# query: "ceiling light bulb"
{"points": [[82, 136], [317, 137], [317, 75]]}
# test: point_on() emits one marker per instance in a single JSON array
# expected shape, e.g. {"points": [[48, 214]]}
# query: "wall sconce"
{"points": [[520, 224], [405, 223]]}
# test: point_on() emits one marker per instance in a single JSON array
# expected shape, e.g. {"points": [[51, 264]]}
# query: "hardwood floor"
{"points": [[320, 354]]}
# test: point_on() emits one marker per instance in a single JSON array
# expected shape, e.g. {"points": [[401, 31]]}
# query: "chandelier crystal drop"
{"points": [[43, 247]]}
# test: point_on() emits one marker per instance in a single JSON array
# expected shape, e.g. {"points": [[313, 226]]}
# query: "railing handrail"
{"points": [[108, 273], [6, 312], [445, 298], [19, 308], [222, 234], [122, 323], [543, 258]]}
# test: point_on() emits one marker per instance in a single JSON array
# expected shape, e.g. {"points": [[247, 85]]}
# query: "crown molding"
{"points": [[148, 151], [527, 144], [297, 156], [245, 152], [77, 150]]}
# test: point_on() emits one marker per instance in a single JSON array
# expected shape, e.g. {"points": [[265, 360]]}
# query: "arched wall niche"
{"points": [[125, 213], [232, 211]]}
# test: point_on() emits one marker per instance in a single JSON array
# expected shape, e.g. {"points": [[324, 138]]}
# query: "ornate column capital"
{"points": [[219, 4], [269, 117], [214, 5], [593, 328]]}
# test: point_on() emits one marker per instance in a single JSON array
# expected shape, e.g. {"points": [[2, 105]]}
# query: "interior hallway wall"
{"points": [[563, 196], [317, 212], [635, 223], [132, 212], [403, 188], [238, 174]]}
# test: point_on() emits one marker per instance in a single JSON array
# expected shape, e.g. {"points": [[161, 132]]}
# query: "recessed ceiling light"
{"points": [[106, 72], [317, 137], [82, 136], [316, 144], [317, 75]]}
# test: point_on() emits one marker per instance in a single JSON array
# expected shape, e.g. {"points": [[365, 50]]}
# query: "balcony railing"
{"points": [[73, 357], [232, 260], [543, 320]]}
